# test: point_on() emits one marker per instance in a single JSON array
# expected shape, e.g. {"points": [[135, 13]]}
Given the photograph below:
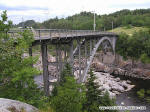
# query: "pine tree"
{"points": [[66, 72], [68, 98], [92, 94], [95, 97]]}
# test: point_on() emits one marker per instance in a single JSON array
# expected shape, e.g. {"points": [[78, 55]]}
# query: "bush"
{"points": [[141, 93], [148, 92]]}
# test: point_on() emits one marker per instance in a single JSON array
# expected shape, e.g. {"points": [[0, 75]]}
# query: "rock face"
{"points": [[113, 85], [7, 105], [124, 70]]}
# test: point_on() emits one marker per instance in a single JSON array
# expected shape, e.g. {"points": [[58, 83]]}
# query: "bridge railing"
{"points": [[52, 33]]}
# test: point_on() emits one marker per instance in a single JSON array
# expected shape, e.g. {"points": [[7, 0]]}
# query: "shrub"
{"points": [[141, 93]]}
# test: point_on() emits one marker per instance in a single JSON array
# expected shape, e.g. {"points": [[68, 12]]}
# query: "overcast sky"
{"points": [[39, 10]]}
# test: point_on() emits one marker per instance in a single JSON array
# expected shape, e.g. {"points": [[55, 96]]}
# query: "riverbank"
{"points": [[114, 85], [130, 98]]}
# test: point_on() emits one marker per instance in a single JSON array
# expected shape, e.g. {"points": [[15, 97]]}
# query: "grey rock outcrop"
{"points": [[113, 85], [7, 105]]}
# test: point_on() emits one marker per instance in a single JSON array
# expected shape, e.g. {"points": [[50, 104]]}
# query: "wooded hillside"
{"points": [[84, 20]]}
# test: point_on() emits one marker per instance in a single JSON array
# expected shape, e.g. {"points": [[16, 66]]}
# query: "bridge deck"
{"points": [[52, 34]]}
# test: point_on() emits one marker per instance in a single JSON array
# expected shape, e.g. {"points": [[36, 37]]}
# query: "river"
{"points": [[130, 98]]}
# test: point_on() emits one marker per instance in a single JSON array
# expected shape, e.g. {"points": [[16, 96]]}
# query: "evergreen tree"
{"points": [[92, 94], [66, 72], [16, 73], [68, 98], [95, 97], [107, 101]]}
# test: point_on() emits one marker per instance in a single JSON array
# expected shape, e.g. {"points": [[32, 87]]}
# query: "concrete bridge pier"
{"points": [[71, 56], [30, 53], [45, 68]]}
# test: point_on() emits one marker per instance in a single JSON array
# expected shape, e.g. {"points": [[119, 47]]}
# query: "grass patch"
{"points": [[129, 30]]}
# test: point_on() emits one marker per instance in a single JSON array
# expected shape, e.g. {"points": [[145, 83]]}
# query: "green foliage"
{"points": [[144, 94], [126, 111], [27, 23], [4, 24], [94, 97], [129, 30], [148, 92], [135, 47], [69, 97], [16, 73], [107, 101], [148, 99], [141, 93], [145, 58], [84, 20], [92, 94], [122, 45], [47, 109], [67, 71]]}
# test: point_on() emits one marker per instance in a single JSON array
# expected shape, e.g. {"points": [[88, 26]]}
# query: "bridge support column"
{"points": [[79, 45], [60, 60], [30, 53], [90, 46], [65, 53], [71, 56], [94, 42], [85, 48], [45, 68], [114, 43], [114, 49], [57, 66]]}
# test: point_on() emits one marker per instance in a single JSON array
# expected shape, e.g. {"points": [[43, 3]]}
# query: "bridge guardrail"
{"points": [[52, 33]]}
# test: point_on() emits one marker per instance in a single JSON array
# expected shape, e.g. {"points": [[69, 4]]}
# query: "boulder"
{"points": [[124, 84], [112, 84], [128, 81], [7, 105], [118, 88], [130, 87], [106, 87], [117, 79], [116, 92], [98, 66]]}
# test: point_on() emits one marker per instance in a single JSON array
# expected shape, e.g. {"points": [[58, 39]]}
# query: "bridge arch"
{"points": [[112, 42]]}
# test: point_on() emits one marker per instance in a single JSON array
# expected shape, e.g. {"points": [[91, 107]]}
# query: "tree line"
{"points": [[84, 20], [135, 47]]}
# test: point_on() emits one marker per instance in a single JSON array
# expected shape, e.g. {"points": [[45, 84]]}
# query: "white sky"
{"points": [[40, 10]]}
